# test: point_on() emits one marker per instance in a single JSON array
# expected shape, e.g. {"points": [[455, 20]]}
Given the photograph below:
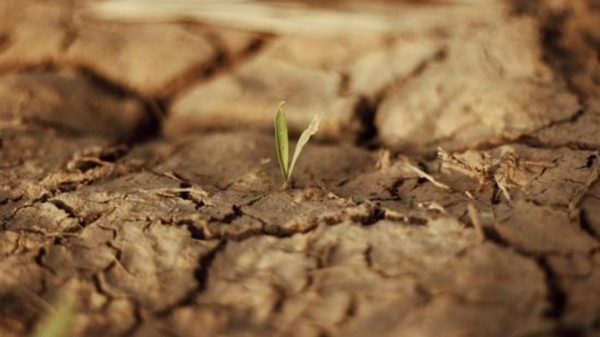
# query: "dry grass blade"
{"points": [[424, 175], [294, 17]]}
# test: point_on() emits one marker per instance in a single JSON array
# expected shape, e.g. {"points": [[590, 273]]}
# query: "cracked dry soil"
{"points": [[154, 195]]}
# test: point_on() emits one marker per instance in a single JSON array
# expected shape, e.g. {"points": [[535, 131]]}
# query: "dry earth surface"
{"points": [[452, 191]]}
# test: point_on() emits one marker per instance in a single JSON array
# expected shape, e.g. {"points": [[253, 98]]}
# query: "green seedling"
{"points": [[282, 142], [57, 322]]}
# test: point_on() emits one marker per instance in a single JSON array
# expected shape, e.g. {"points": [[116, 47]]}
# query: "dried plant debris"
{"points": [[526, 170]]}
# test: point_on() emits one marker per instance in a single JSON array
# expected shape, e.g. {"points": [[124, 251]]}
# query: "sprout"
{"points": [[282, 142]]}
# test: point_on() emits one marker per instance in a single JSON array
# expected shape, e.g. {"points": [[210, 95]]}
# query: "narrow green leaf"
{"points": [[282, 142], [304, 137], [57, 323]]}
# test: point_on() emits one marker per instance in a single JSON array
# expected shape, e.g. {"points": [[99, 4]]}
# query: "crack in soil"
{"points": [[557, 298], [70, 211], [533, 141], [138, 318], [39, 260], [234, 214], [100, 286], [586, 226], [201, 274], [555, 55], [350, 312], [365, 110], [223, 62]]}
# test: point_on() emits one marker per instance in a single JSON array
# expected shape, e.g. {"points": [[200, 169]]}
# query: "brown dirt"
{"points": [[138, 170]]}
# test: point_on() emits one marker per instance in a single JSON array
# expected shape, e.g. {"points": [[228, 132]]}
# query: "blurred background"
{"points": [[487, 69]]}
